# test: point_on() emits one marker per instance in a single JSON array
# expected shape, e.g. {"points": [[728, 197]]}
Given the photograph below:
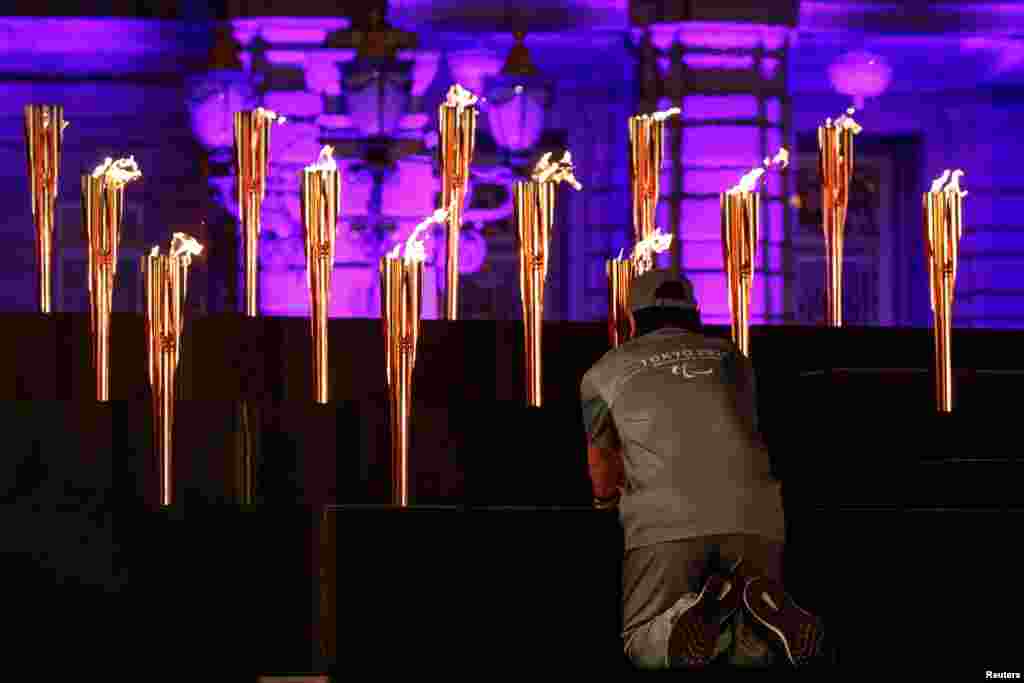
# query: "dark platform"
{"points": [[902, 522]]}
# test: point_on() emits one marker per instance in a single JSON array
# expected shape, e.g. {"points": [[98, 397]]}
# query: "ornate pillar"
{"points": [[729, 78]]}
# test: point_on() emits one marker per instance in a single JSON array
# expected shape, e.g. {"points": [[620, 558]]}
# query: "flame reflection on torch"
{"points": [[457, 133], [44, 135], [102, 214], [252, 142], [320, 195], [835, 166], [166, 284], [943, 229], [401, 287]]}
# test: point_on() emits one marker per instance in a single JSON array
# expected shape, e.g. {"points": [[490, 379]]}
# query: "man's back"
{"points": [[682, 406]]}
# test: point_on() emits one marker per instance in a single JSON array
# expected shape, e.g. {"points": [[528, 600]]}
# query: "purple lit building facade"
{"points": [[943, 95]]}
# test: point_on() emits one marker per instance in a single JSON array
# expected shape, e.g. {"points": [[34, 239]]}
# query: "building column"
{"points": [[730, 81]]}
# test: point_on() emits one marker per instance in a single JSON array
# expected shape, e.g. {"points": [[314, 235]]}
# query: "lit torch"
{"points": [[835, 166], [102, 214], [321, 192], [166, 282], [252, 142], [534, 217], [620, 280], [741, 218], [44, 133], [457, 124], [943, 228], [646, 146], [401, 287]]}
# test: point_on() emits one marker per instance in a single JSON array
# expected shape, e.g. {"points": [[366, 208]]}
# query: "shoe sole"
{"points": [[695, 635], [795, 628]]}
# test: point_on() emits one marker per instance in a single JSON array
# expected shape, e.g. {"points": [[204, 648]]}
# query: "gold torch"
{"points": [[166, 281], [321, 191], [943, 228], [457, 123], [835, 166], [401, 287], [102, 214], [620, 280], [252, 144], [44, 133], [534, 216], [646, 147], [741, 220]]}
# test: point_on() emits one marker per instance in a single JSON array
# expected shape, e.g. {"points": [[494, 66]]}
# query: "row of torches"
{"points": [[166, 276], [740, 223]]}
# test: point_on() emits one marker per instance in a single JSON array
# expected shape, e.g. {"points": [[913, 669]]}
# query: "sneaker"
{"points": [[695, 635], [794, 630]]}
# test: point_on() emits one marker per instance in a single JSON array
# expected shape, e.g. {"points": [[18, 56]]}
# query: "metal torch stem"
{"points": [[534, 215], [44, 126], [320, 360], [400, 408], [320, 196], [164, 404], [165, 282], [101, 335], [457, 137], [613, 303], [252, 143], [103, 208], [835, 166], [453, 226], [740, 215], [401, 284], [943, 352], [943, 228], [252, 242], [834, 228], [620, 276], [44, 254]]}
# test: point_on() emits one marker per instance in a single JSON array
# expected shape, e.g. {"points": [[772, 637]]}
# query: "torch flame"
{"points": [[781, 159], [949, 182], [621, 252], [939, 182], [393, 254], [562, 170], [656, 243], [414, 248], [662, 115], [155, 251], [120, 172], [542, 165], [748, 183], [954, 184], [845, 122], [460, 98], [270, 115], [182, 244], [325, 162], [46, 121]]}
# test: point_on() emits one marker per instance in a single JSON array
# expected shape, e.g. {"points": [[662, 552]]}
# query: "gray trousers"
{"points": [[661, 581]]}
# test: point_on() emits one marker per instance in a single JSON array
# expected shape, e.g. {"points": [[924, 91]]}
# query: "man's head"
{"points": [[658, 300]]}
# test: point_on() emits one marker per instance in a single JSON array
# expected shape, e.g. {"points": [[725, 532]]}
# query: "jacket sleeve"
{"points": [[597, 416]]}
